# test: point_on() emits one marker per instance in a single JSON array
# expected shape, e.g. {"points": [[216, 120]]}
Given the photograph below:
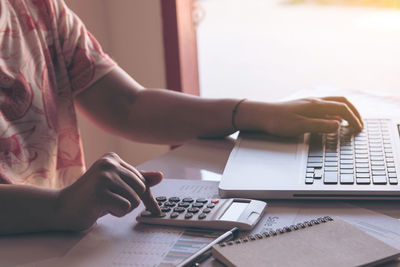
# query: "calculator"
{"points": [[221, 214]]}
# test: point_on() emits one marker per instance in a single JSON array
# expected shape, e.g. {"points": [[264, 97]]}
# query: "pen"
{"points": [[205, 252]]}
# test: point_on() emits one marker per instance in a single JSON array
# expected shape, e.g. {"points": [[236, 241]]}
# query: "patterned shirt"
{"points": [[46, 58]]}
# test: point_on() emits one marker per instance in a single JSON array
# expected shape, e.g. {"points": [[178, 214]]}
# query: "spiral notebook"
{"points": [[324, 241]]}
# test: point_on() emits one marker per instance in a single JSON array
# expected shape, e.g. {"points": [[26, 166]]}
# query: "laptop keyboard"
{"points": [[348, 158]]}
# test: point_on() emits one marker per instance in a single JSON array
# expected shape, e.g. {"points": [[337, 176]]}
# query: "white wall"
{"points": [[130, 31]]}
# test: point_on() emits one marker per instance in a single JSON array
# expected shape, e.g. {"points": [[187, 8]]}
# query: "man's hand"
{"points": [[296, 117], [109, 186]]}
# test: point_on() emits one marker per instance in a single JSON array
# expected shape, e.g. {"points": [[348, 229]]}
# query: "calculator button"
{"points": [[206, 210], [210, 206], [179, 209], [197, 205], [188, 215], [201, 200], [202, 216], [183, 205], [161, 199], [147, 213], [174, 199], [169, 204], [193, 210], [214, 201], [174, 215], [165, 209], [188, 199]]}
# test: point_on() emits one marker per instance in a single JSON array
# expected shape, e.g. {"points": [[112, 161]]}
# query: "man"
{"points": [[49, 64]]}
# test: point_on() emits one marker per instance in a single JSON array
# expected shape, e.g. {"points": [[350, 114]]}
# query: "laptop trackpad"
{"points": [[265, 161]]}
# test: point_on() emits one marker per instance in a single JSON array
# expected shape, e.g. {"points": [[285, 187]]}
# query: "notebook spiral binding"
{"points": [[279, 231]]}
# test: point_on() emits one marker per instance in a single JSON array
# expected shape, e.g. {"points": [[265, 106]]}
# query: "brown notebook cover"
{"points": [[322, 242]]}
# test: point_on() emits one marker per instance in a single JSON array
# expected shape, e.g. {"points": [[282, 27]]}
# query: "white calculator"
{"points": [[222, 214]]}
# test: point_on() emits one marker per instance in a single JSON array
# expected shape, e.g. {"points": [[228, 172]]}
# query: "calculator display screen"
{"points": [[234, 211]]}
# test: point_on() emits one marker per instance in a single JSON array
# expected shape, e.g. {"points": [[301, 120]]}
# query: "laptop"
{"points": [[340, 165]]}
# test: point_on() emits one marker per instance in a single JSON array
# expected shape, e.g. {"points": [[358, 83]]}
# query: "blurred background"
{"points": [[259, 49]]}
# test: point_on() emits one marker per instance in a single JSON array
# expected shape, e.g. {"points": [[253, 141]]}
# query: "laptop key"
{"points": [[363, 181], [330, 169], [347, 166], [315, 159], [346, 161], [391, 169], [310, 170], [377, 163], [318, 174], [378, 168], [330, 177], [309, 175], [375, 145], [315, 153], [347, 157], [346, 179], [363, 170], [331, 159], [379, 179], [362, 165], [346, 171], [378, 173], [392, 175], [362, 160], [345, 152], [314, 165], [331, 154], [359, 151], [393, 180], [331, 164], [362, 175], [309, 180]]}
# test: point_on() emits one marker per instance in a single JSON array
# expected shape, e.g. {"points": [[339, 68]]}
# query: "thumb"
{"points": [[152, 177], [310, 125]]}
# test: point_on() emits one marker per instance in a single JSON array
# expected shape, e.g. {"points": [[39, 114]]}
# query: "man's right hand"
{"points": [[109, 186]]}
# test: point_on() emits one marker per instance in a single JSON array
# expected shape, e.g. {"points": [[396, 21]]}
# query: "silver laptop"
{"points": [[340, 165]]}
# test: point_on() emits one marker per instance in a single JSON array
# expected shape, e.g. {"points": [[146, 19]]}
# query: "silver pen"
{"points": [[205, 252]]}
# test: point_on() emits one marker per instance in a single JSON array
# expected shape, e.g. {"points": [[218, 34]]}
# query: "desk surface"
{"points": [[196, 160]]}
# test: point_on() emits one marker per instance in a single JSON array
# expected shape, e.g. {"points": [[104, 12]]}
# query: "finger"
{"points": [[348, 103], [150, 202], [121, 188], [144, 192], [310, 125], [116, 204], [340, 109], [329, 117], [148, 199], [131, 179], [133, 170], [152, 177]]}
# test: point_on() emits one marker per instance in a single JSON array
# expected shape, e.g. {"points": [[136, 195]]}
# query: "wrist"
{"points": [[253, 116]]}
